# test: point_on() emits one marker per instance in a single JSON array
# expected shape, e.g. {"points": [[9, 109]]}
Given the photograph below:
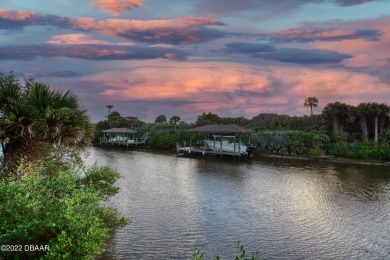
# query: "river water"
{"points": [[285, 209]]}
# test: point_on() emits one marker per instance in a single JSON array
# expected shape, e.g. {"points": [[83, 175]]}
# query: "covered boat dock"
{"points": [[122, 136], [226, 140]]}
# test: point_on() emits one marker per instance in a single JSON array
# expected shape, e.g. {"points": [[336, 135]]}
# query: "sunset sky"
{"points": [[185, 57]]}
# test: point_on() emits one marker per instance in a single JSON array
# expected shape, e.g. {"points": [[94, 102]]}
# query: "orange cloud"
{"points": [[80, 38], [117, 7], [18, 15], [122, 26]]}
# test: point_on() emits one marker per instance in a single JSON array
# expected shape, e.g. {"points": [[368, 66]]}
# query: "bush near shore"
{"points": [[63, 211], [48, 200]]}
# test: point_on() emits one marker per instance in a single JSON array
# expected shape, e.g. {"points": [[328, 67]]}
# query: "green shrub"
{"points": [[341, 136], [372, 151], [166, 139], [296, 142], [316, 152], [283, 151], [340, 148], [260, 150], [63, 211], [297, 147], [363, 151]]}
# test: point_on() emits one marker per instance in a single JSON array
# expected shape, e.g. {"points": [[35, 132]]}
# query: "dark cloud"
{"points": [[303, 56], [247, 48], [352, 2], [60, 74], [311, 34], [191, 35], [263, 6], [184, 30], [89, 52], [12, 20]]}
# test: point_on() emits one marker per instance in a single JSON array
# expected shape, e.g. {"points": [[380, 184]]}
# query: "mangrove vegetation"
{"points": [[357, 132], [48, 199]]}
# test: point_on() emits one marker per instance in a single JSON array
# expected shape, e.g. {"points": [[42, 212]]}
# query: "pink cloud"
{"points": [[79, 38], [309, 34], [122, 26], [117, 7], [19, 15], [365, 53], [230, 88], [183, 30]]}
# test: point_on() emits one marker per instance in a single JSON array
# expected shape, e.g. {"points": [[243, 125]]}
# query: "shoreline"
{"points": [[326, 158], [322, 158]]}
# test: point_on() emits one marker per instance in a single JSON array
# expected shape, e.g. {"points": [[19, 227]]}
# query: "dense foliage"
{"points": [[34, 117], [360, 132], [63, 212], [48, 199], [289, 142]]}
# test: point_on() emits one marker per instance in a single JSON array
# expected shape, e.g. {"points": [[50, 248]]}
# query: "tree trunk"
{"points": [[335, 125], [381, 126], [363, 125], [311, 110], [376, 130], [15, 153], [11, 159]]}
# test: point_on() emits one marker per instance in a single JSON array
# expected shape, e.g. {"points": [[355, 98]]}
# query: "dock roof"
{"points": [[120, 131], [221, 129]]}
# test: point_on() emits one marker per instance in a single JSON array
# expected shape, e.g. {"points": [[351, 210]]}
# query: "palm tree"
{"points": [[174, 120], [364, 111], [109, 107], [311, 102], [209, 118], [336, 112], [160, 119], [35, 118], [379, 111]]}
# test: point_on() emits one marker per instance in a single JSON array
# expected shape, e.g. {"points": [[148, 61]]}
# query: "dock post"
{"points": [[239, 144], [204, 144]]}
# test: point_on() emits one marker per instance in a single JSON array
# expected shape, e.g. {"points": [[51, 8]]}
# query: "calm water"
{"points": [[283, 208]]}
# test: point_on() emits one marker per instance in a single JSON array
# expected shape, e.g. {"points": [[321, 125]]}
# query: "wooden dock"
{"points": [[124, 141], [203, 151], [220, 134]]}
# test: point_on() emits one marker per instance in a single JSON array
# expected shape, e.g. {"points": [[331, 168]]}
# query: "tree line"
{"points": [[361, 131]]}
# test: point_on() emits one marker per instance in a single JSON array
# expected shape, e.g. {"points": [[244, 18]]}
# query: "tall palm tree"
{"points": [[364, 111], [336, 112], [34, 118], [311, 102], [109, 107], [379, 111], [160, 119], [174, 120]]}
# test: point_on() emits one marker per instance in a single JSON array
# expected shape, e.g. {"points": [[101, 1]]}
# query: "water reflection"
{"points": [[286, 209]]}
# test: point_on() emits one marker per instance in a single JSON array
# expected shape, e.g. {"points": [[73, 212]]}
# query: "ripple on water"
{"points": [[284, 209]]}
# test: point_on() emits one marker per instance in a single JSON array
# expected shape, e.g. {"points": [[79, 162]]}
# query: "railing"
{"points": [[145, 137]]}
